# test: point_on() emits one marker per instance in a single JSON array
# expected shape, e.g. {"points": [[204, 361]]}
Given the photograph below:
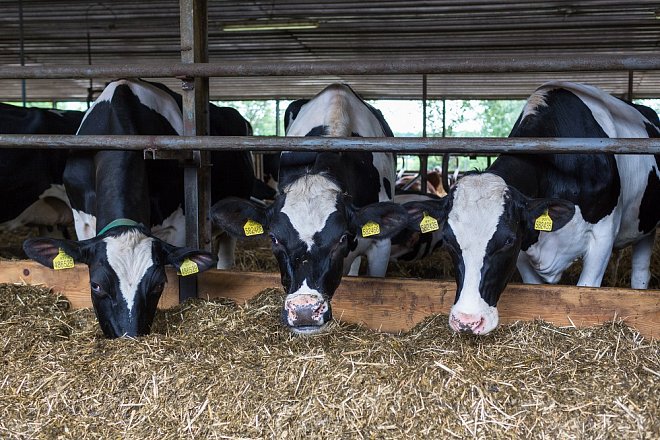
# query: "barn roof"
{"points": [[126, 31]]}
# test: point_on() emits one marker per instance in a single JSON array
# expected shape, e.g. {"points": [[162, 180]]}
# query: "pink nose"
{"points": [[465, 322], [306, 310]]}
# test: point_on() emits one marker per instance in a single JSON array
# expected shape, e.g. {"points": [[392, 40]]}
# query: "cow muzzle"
{"points": [[306, 313], [478, 324]]}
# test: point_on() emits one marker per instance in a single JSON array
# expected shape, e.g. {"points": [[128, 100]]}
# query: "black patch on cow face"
{"points": [[649, 208], [502, 252], [321, 265], [116, 316], [111, 309]]}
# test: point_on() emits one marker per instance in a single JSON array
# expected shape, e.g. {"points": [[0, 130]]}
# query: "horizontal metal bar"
{"points": [[385, 67], [467, 146]]}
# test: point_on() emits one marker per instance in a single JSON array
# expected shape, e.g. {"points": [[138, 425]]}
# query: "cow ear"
{"points": [[239, 217], [390, 217], [559, 211], [182, 258], [45, 250], [437, 209]]}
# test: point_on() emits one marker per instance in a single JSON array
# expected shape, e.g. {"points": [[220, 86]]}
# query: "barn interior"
{"points": [[215, 369], [81, 33]]}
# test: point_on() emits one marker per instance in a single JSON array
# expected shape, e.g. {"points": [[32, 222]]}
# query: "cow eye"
{"points": [[343, 238], [158, 289], [508, 242], [97, 289], [273, 238]]}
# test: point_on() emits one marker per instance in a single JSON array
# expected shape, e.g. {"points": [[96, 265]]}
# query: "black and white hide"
{"points": [[318, 218], [541, 212], [31, 189], [128, 211]]}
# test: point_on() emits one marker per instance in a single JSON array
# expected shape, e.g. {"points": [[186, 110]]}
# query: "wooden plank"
{"points": [[390, 304]]}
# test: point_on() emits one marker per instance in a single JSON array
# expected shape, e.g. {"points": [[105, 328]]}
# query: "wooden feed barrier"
{"points": [[387, 304]]}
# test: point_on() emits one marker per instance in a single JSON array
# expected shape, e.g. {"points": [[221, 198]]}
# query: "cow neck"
{"points": [[122, 190], [117, 222]]}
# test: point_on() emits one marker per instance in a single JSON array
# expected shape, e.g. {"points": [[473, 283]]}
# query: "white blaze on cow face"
{"points": [[130, 256], [310, 200], [477, 207]]}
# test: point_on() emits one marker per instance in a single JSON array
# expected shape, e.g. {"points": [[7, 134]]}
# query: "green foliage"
{"points": [[261, 114]]}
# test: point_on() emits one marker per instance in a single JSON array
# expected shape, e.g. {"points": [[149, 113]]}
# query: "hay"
{"points": [[214, 370]]}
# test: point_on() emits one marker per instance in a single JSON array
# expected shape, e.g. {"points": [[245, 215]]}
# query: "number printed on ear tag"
{"points": [[428, 224], [253, 228], [63, 261], [370, 228], [188, 267], [543, 222]]}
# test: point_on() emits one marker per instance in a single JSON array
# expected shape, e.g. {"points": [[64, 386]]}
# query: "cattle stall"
{"points": [[571, 361]]}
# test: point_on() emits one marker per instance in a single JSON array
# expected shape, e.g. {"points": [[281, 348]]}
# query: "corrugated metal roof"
{"points": [[148, 32]]}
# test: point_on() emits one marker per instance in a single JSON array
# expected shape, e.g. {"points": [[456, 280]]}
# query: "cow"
{"points": [[31, 190], [414, 184], [540, 212], [126, 199], [327, 205]]}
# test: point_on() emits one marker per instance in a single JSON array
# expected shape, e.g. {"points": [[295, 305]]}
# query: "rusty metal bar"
{"points": [[504, 64], [197, 173], [423, 158], [405, 145]]}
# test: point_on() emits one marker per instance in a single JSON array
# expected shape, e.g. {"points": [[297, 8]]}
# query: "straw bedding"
{"points": [[214, 370]]}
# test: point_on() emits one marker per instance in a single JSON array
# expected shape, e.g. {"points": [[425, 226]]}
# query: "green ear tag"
{"points": [[428, 224], [62, 261], [253, 228], [543, 222], [188, 267], [370, 228]]}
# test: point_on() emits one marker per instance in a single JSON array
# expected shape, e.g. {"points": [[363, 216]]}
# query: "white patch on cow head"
{"points": [[477, 207], [130, 256], [309, 202]]}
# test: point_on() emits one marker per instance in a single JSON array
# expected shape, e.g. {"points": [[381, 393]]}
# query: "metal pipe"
{"points": [[22, 50], [423, 158], [630, 86], [195, 112], [377, 67], [465, 146]]}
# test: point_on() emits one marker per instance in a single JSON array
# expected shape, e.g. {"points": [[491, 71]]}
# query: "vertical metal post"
{"points": [[277, 117], [629, 97], [445, 156], [90, 89], [197, 173], [22, 49], [423, 158]]}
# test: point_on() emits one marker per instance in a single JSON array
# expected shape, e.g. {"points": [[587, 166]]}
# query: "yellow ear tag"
{"points": [[543, 222], [370, 228], [188, 267], [253, 228], [428, 224], [62, 261]]}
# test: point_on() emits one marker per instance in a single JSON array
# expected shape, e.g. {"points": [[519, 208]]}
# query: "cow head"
{"points": [[126, 272], [485, 223], [312, 225]]}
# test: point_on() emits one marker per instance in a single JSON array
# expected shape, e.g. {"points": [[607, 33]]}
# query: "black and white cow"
{"points": [[595, 202], [324, 201], [120, 201], [31, 190]]}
